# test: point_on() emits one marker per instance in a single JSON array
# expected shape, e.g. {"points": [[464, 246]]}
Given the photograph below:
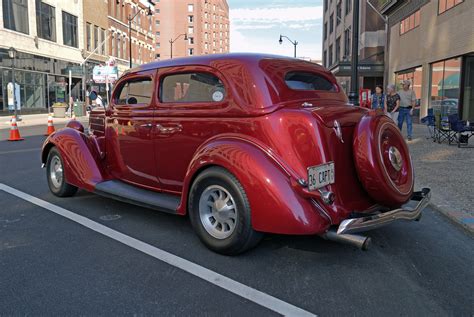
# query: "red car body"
{"points": [[262, 131]]}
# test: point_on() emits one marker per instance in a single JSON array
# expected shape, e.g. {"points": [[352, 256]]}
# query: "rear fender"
{"points": [[276, 206], [81, 156]]}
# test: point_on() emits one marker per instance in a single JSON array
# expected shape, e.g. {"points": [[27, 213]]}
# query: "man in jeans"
{"points": [[407, 104]]}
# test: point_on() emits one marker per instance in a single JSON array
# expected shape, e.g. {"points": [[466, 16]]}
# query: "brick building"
{"points": [[142, 32], [196, 27]]}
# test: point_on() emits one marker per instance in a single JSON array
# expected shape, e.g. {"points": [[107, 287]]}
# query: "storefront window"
{"points": [[445, 86], [45, 21], [414, 75], [468, 98]]}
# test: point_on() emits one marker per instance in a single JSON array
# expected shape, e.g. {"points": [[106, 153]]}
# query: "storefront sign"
{"points": [[101, 74]]}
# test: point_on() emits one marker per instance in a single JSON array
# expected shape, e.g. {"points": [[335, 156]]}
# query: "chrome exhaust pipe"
{"points": [[358, 241]]}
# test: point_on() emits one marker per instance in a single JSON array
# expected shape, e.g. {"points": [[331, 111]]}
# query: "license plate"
{"points": [[320, 176]]}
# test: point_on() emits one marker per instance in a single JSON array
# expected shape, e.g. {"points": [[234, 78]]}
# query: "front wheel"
{"points": [[55, 174], [220, 212]]}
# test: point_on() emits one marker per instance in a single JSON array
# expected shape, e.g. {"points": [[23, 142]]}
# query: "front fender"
{"points": [[276, 207], [80, 154]]}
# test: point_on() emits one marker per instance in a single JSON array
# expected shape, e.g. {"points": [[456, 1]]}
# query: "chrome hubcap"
{"points": [[218, 212], [56, 172], [395, 158]]}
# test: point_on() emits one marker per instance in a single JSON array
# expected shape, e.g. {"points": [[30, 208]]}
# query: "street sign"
{"points": [[101, 74]]}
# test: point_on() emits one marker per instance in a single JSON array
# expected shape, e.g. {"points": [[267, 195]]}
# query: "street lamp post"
{"points": [[12, 55], [172, 42], [130, 19], [295, 43], [354, 93]]}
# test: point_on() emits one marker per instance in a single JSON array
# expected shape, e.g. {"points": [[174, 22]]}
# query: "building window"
{"points": [[325, 5], [331, 23], [103, 41], [158, 45], [96, 37], [70, 30], [190, 30], [157, 10], [330, 55], [445, 86], [325, 57], [190, 18], [415, 77], [88, 37], [338, 13], [348, 5], [338, 49], [157, 23], [190, 7], [45, 21], [410, 22], [347, 43], [190, 40], [15, 15], [158, 34], [445, 5], [325, 31], [190, 51]]}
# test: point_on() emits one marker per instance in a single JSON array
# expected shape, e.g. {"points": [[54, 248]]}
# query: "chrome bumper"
{"points": [[355, 225]]}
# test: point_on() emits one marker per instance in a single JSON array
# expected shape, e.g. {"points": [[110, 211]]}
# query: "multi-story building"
{"points": [[48, 39], [96, 37], [431, 43], [337, 42], [140, 14], [191, 27]]}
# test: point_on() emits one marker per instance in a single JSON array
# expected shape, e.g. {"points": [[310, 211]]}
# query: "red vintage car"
{"points": [[244, 144]]}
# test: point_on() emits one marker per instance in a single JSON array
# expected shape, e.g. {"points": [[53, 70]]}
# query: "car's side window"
{"points": [[135, 92], [192, 87], [308, 81]]}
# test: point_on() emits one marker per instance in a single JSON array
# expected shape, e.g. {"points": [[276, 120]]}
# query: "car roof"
{"points": [[206, 60]]}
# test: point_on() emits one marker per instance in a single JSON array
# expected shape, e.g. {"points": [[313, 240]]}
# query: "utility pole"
{"points": [[354, 93]]}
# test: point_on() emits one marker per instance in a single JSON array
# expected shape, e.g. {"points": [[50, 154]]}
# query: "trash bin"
{"points": [[79, 108]]}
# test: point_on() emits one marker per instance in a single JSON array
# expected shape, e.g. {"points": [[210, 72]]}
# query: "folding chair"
{"points": [[462, 132], [442, 132], [429, 120]]}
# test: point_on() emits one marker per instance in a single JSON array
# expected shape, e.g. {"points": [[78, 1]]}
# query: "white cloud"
{"points": [[303, 22]]}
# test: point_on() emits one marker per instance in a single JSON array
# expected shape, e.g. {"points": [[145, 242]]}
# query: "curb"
{"points": [[42, 124], [452, 218]]}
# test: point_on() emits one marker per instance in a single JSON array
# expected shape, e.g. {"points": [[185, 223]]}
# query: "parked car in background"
{"points": [[244, 144]]}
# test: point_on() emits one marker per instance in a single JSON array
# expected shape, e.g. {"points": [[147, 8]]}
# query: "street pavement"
{"points": [[50, 265]]}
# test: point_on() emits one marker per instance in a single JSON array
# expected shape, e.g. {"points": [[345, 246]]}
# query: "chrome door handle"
{"points": [[169, 130], [148, 125]]}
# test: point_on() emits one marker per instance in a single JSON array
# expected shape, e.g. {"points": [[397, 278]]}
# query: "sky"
{"points": [[256, 26]]}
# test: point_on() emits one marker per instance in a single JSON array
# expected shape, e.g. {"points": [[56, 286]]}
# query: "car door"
{"points": [[130, 153], [189, 104]]}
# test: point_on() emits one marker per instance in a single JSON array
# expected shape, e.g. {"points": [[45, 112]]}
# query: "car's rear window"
{"points": [[299, 80]]}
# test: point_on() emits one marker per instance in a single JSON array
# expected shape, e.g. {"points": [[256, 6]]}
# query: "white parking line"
{"points": [[212, 277]]}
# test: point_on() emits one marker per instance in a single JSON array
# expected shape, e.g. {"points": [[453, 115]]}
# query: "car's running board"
{"points": [[145, 198]]}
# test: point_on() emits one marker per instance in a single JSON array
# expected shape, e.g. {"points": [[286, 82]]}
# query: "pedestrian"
{"points": [[392, 103], [378, 98], [407, 105]]}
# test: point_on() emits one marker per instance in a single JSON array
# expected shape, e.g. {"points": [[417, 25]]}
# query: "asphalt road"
{"points": [[50, 265]]}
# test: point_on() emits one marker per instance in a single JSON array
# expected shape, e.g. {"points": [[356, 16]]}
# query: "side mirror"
{"points": [[93, 95]]}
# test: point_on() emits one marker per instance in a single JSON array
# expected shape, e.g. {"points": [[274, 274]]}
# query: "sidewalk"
{"points": [[448, 171], [35, 120]]}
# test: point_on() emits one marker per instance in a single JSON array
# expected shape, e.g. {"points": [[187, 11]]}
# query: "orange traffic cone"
{"points": [[50, 125], [14, 132]]}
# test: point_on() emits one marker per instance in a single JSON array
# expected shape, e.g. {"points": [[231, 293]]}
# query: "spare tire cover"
{"points": [[382, 160]]}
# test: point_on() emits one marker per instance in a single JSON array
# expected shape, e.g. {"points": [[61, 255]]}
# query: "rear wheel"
{"points": [[220, 212], [55, 174]]}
